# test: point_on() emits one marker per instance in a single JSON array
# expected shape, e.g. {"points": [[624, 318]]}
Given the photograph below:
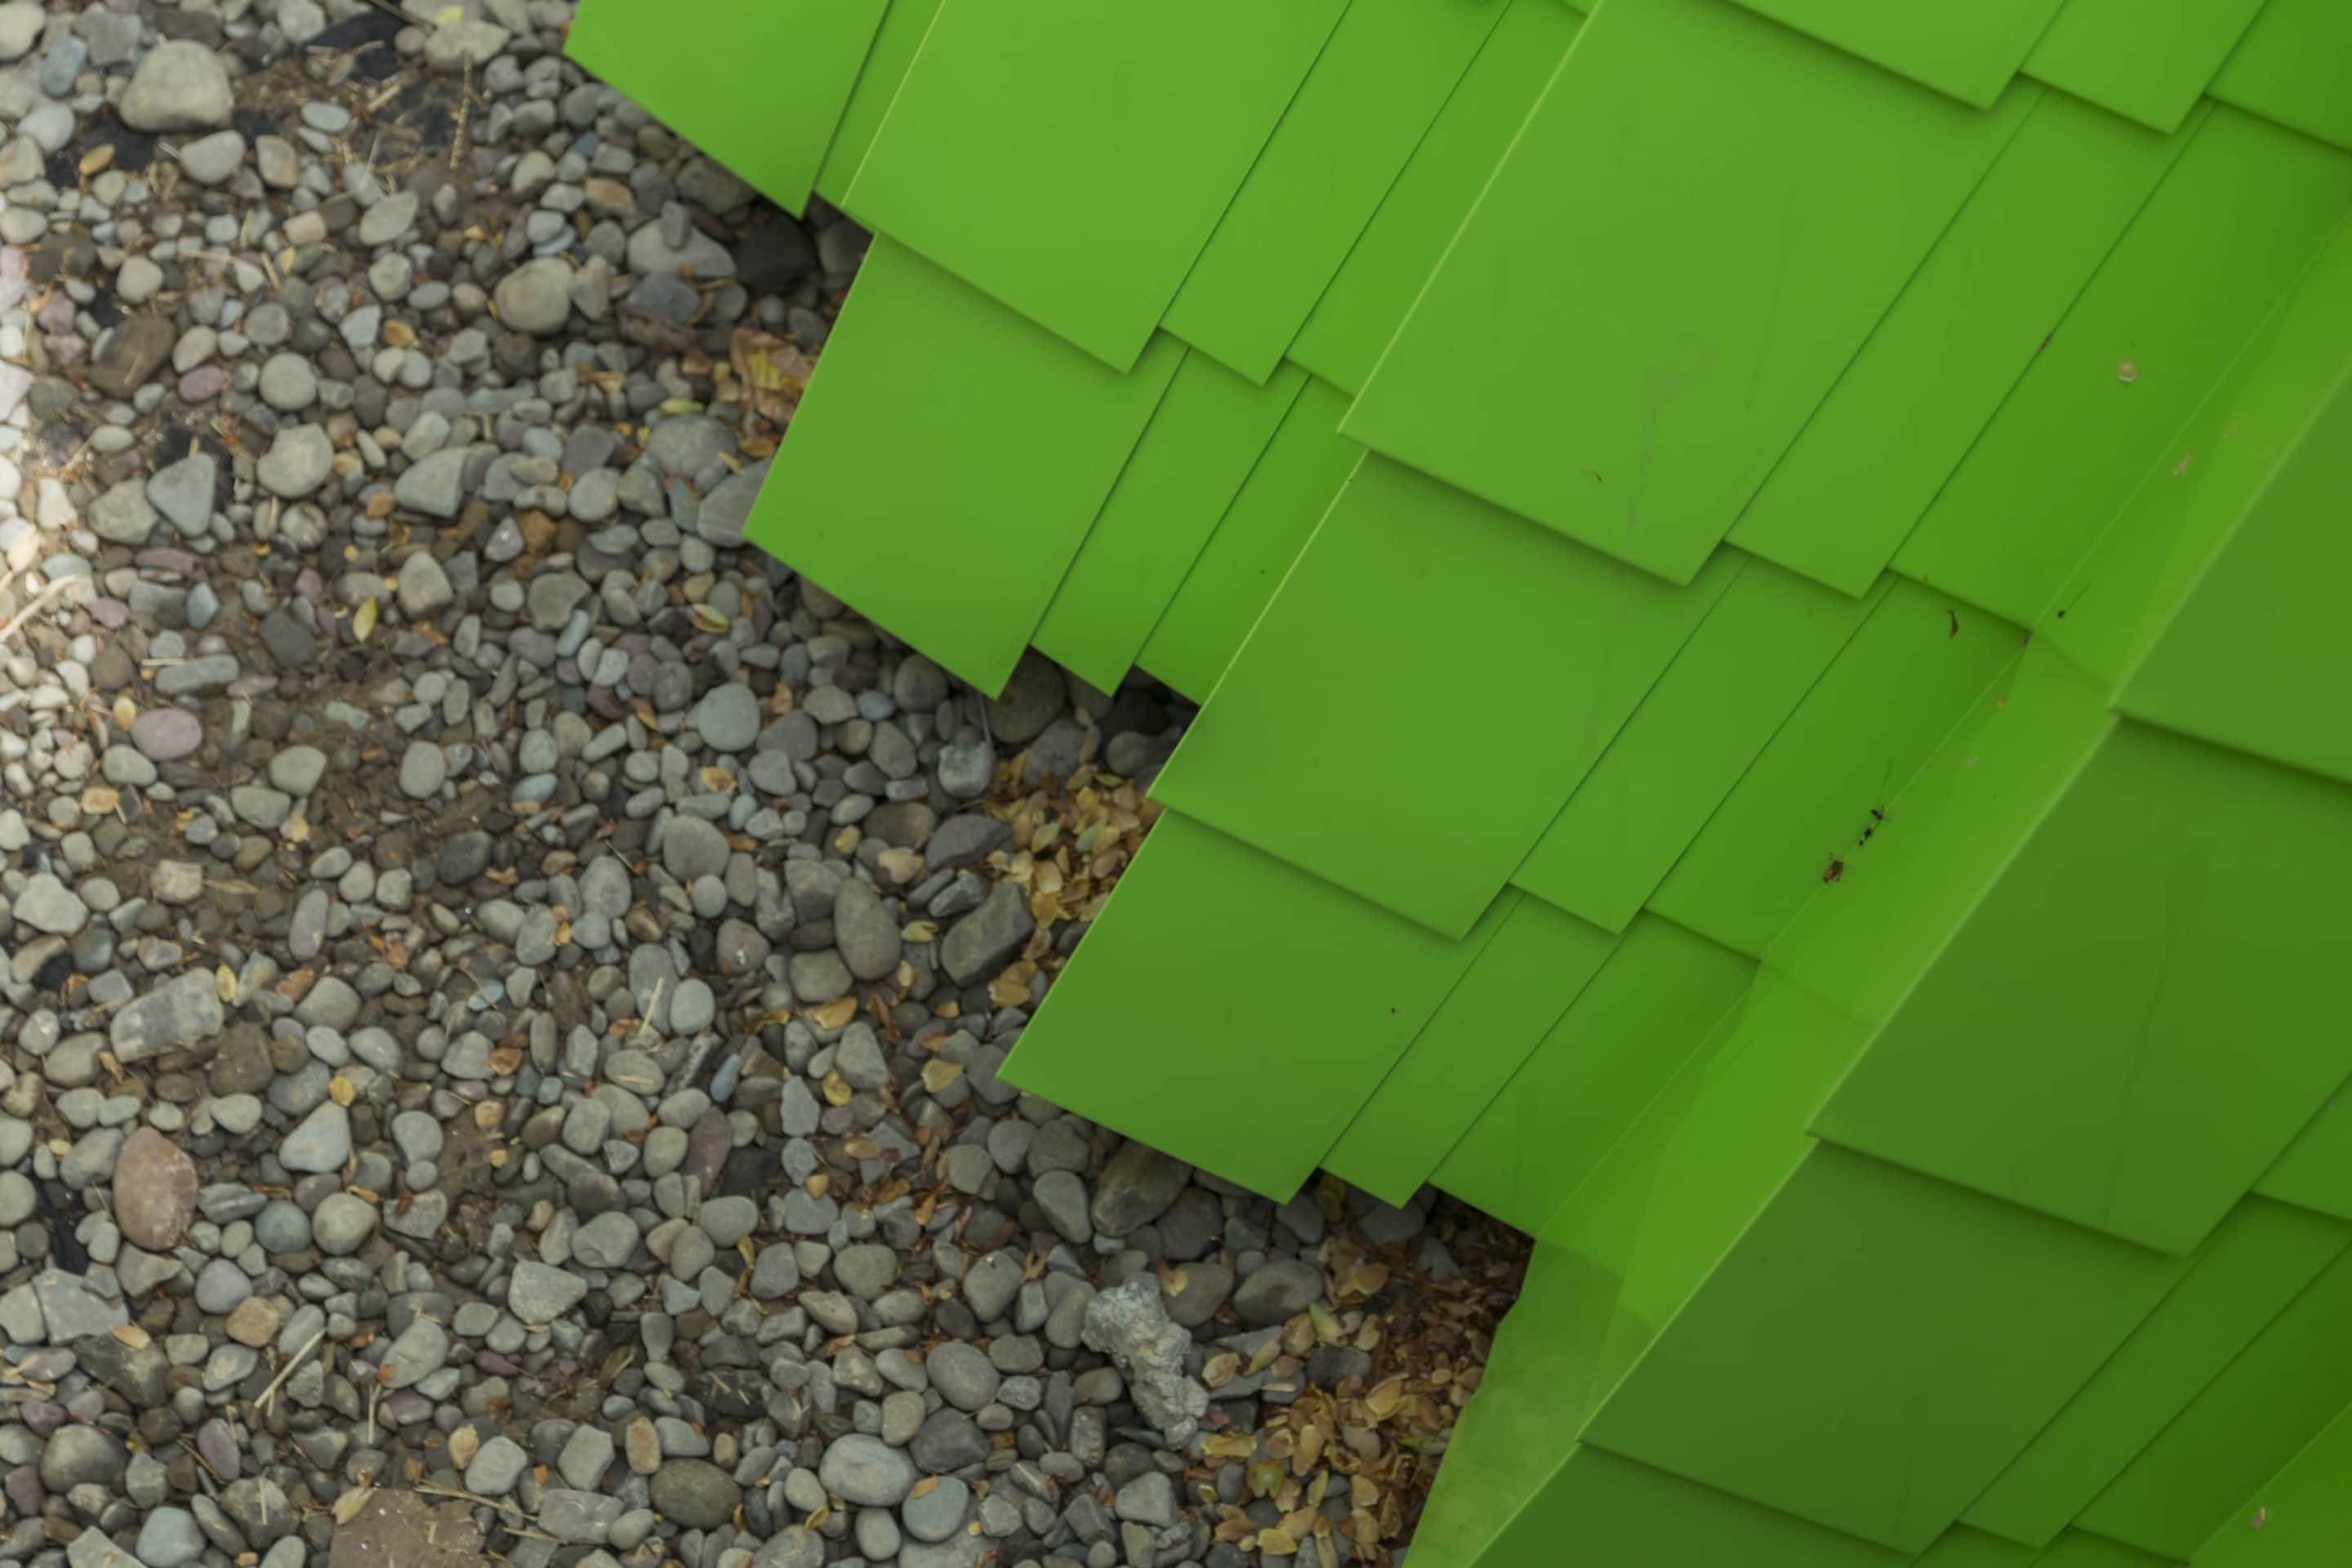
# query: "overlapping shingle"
{"points": [[1885, 959]]}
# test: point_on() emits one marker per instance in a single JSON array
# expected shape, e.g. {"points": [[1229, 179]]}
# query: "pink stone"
{"points": [[202, 384], [154, 1191]]}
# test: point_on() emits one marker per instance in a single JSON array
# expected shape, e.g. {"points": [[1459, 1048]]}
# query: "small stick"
{"points": [[288, 1370], [55, 586]]}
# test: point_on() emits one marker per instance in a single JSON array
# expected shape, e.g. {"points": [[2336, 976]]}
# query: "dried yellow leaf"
{"points": [[1263, 1357], [341, 1090], [937, 1074], [1385, 1398], [464, 1444], [1229, 1446], [1221, 1370], [834, 1014], [489, 1114], [348, 1506], [363, 621], [836, 1088], [918, 931], [131, 1334], [1264, 1477], [1327, 1327], [1277, 1543], [225, 984], [98, 159], [924, 1487]]}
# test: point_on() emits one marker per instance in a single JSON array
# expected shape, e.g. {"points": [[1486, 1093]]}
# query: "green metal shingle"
{"points": [[2208, 476], [1967, 325], [1378, 282], [1621, 1512], [1200, 444], [2294, 65], [904, 26], [1252, 545], [1237, 932], [1082, 199], [1668, 337], [1633, 1026], [1521, 982], [1386, 72], [2059, 1055], [2164, 316], [1968, 49], [1877, 713], [708, 72], [2145, 60], [1960, 1547], [2255, 1263], [2258, 658], [1819, 1402], [2279, 1394], [1354, 624], [2082, 1549], [1008, 421], [2315, 1170], [1753, 658], [2301, 1514]]}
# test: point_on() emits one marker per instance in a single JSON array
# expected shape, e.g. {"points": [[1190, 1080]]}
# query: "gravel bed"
{"points": [[503, 987]]}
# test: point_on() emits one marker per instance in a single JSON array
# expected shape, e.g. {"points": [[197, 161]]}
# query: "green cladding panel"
{"points": [[1254, 926], [1387, 68], [1375, 285], [2145, 60], [1523, 980], [1081, 200], [2060, 1053], [1005, 418], [1764, 579], [1643, 432], [708, 71], [1284, 495], [1202, 444], [1373, 635]]}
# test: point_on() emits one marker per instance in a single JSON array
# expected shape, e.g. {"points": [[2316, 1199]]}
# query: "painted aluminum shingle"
{"points": [[1854, 491]]}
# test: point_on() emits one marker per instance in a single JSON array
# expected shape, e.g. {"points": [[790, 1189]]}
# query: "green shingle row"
{"points": [[1766, 576]]}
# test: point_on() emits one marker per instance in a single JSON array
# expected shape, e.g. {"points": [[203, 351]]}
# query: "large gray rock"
{"points": [[1129, 1325], [1137, 1187], [696, 1493], [182, 1012], [536, 298], [180, 86], [435, 485], [866, 1471], [984, 940], [298, 462]]}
